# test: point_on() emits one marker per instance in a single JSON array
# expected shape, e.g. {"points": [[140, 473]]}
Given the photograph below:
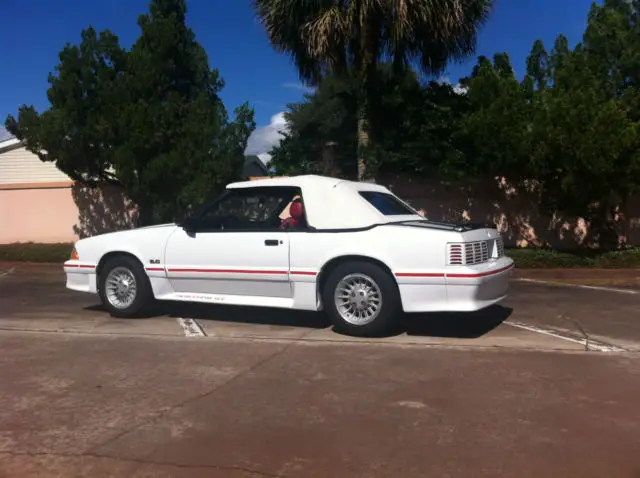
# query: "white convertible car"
{"points": [[307, 242]]}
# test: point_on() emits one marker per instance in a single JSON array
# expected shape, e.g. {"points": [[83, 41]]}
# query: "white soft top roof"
{"points": [[332, 203]]}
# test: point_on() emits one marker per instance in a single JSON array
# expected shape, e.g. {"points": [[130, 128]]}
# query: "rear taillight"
{"points": [[74, 255]]}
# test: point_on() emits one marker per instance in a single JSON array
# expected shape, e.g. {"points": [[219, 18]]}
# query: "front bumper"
{"points": [[81, 276]]}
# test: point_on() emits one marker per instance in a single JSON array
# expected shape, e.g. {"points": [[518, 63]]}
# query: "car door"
{"points": [[227, 254]]}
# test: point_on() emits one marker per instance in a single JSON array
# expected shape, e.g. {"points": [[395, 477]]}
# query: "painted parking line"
{"points": [[191, 327], [588, 344], [6, 273], [578, 286]]}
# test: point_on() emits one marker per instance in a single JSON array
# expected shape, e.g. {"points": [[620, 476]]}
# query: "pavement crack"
{"points": [[590, 344], [164, 411], [578, 325], [249, 471]]}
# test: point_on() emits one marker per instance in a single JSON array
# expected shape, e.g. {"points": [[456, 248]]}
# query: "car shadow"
{"points": [[467, 325], [460, 325], [248, 315], [232, 313]]}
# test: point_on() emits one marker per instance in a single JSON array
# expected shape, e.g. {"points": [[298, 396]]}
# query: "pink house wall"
{"points": [[37, 215], [60, 212]]}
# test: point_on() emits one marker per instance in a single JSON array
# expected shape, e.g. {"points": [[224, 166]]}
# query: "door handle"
{"points": [[271, 242]]}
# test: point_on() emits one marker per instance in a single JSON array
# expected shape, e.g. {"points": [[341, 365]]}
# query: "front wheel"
{"points": [[124, 287], [362, 299]]}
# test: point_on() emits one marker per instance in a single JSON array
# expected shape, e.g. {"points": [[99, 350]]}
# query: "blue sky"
{"points": [[34, 31]]}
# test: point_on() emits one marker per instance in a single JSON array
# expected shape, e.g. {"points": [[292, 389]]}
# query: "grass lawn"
{"points": [[526, 258]]}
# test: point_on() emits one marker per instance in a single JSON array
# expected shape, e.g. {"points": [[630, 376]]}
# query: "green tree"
{"points": [[611, 44], [78, 131], [495, 131], [538, 64], [412, 123], [177, 146], [149, 119], [585, 154], [556, 62], [350, 38], [585, 133], [321, 136]]}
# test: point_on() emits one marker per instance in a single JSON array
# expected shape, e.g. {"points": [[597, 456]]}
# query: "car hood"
{"points": [[159, 230], [156, 226]]}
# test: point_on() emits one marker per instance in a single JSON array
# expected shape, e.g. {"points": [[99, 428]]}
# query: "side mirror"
{"points": [[190, 224]]}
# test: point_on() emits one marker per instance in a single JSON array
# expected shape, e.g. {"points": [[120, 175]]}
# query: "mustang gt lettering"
{"points": [[311, 242]]}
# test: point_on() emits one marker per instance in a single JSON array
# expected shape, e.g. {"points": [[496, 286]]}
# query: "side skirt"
{"points": [[247, 300]]}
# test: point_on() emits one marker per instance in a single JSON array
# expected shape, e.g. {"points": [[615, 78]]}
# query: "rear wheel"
{"points": [[362, 299], [124, 287]]}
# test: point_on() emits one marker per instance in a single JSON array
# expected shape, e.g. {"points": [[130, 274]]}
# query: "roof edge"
{"points": [[10, 143]]}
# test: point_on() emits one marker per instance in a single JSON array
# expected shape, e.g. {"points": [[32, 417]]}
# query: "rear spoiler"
{"points": [[472, 226], [452, 226]]}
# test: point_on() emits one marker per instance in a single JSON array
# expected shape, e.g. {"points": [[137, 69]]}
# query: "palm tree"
{"points": [[351, 36]]}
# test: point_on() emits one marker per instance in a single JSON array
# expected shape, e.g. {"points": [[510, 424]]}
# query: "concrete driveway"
{"points": [[545, 385]]}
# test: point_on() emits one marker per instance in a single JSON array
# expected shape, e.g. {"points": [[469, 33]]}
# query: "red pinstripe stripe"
{"points": [[481, 274], [454, 275], [234, 271], [80, 266], [155, 269], [228, 271], [418, 274]]}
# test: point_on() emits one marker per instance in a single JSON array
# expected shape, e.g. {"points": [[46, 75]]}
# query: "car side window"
{"points": [[253, 209], [387, 204]]}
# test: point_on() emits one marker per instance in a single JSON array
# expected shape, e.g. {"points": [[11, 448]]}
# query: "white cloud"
{"points": [[460, 90], [264, 139], [4, 134], [457, 88], [298, 86]]}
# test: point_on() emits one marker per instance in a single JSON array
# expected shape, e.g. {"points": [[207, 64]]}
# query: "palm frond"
{"points": [[327, 35]]}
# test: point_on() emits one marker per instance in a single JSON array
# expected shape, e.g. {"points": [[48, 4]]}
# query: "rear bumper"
{"points": [[458, 289], [475, 290], [81, 277]]}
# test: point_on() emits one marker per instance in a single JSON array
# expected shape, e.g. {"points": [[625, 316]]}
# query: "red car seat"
{"points": [[297, 216]]}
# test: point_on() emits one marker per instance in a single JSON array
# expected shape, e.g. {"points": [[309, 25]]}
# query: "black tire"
{"points": [[389, 317], [144, 294]]}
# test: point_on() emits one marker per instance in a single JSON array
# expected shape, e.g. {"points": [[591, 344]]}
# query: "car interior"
{"points": [[273, 208]]}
